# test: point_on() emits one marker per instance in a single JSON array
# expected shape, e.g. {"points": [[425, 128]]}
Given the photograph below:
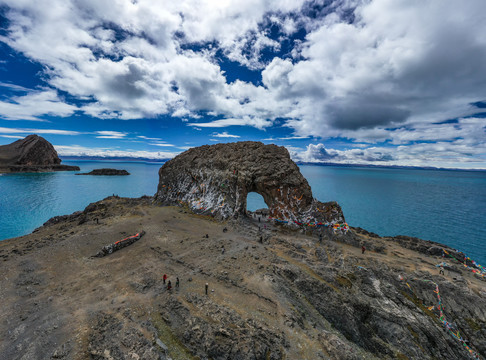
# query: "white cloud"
{"points": [[224, 134], [244, 121], [4, 130], [77, 150], [110, 135], [440, 154], [35, 104], [12, 136], [161, 144], [148, 138], [13, 87]]}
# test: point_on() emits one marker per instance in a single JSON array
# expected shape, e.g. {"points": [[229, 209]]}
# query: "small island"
{"points": [[110, 172], [31, 154]]}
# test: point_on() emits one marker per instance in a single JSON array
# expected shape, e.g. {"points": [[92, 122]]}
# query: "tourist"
{"points": [[177, 282], [441, 270], [320, 238], [222, 250], [363, 249], [164, 278], [206, 287], [169, 285]]}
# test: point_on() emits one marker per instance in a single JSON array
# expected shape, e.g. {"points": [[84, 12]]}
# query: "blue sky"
{"points": [[371, 82]]}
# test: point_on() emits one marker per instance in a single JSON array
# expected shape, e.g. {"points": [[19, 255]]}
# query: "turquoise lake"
{"points": [[444, 206]]}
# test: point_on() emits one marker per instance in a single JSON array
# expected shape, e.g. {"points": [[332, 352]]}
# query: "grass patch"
{"points": [[177, 350], [421, 306], [473, 324], [344, 282], [416, 337]]}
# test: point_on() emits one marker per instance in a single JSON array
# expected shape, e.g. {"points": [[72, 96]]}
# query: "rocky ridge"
{"points": [[31, 154]]}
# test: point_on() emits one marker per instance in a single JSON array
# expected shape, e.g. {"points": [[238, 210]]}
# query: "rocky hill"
{"points": [[31, 154], [273, 293]]}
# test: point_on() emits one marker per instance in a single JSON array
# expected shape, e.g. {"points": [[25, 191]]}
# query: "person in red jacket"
{"points": [[164, 278]]}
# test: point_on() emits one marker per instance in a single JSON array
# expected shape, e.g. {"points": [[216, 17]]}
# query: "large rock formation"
{"points": [[32, 154], [216, 180]]}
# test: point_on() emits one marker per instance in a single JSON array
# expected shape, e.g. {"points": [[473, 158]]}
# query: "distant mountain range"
{"points": [[388, 166], [142, 159], [114, 158]]}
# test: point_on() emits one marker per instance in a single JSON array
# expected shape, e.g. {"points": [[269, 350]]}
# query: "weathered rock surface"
{"points": [[32, 154], [216, 180], [287, 297], [110, 172]]}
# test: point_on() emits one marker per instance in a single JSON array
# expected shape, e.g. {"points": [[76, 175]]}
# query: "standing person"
{"points": [[169, 285], [363, 249], [177, 282], [222, 250], [206, 286], [320, 238], [164, 278]]}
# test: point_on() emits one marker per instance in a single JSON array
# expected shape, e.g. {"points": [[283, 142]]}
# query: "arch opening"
{"points": [[254, 202]]}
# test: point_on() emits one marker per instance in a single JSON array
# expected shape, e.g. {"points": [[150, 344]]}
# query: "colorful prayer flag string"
{"points": [[448, 326]]}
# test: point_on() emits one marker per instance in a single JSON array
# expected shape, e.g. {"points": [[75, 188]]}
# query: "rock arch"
{"points": [[216, 180]]}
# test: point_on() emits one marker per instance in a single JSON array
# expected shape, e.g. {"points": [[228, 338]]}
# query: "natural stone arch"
{"points": [[216, 180], [259, 196]]}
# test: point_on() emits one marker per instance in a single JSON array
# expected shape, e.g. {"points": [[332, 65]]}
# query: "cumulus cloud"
{"points": [[438, 154], [370, 71]]}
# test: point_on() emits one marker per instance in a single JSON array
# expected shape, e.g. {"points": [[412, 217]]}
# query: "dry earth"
{"points": [[266, 300]]}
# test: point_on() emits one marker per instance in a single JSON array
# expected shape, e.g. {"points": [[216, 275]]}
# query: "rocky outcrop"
{"points": [[32, 154], [110, 172], [217, 179]]}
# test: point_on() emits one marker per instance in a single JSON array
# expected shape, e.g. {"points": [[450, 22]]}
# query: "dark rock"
{"points": [[32, 154], [112, 338], [216, 180], [110, 172]]}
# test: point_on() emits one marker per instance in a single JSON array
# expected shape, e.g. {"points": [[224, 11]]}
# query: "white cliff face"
{"points": [[217, 179]]}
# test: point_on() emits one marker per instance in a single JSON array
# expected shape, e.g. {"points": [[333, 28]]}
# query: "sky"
{"points": [[384, 82]]}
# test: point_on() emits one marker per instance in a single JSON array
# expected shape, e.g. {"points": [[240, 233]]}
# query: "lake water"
{"points": [[444, 206]]}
